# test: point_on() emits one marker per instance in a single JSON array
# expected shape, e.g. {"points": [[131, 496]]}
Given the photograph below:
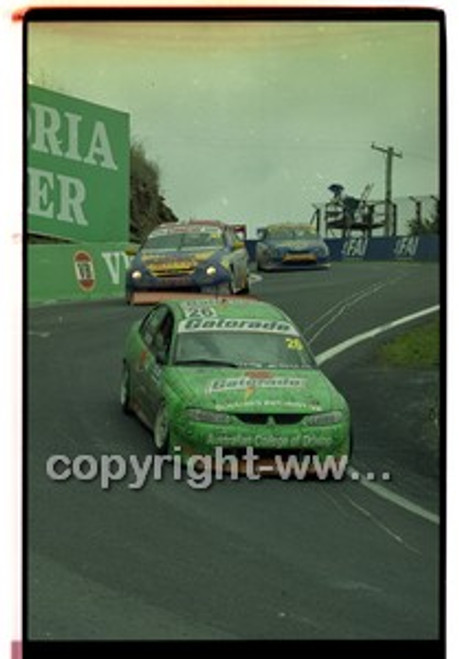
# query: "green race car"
{"points": [[228, 374]]}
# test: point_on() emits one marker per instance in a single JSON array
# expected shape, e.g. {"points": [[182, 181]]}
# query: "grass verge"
{"points": [[419, 347]]}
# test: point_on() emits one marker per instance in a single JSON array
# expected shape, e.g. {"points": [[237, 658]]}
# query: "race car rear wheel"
{"points": [[231, 283], [161, 430], [125, 392], [260, 266]]}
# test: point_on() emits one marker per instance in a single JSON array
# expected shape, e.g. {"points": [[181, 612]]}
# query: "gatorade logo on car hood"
{"points": [[247, 384]]}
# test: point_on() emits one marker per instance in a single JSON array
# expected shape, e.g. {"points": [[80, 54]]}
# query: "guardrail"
{"points": [[392, 248]]}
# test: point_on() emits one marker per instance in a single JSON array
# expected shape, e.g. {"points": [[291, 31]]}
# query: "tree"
{"points": [[147, 205], [428, 225]]}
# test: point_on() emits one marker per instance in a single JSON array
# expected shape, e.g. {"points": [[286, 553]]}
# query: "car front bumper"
{"points": [[293, 261], [187, 282], [194, 438]]}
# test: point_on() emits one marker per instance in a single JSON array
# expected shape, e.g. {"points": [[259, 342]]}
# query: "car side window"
{"points": [[149, 327], [163, 337], [261, 234]]}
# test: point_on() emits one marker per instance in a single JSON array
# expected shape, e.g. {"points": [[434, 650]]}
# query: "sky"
{"points": [[251, 122]]}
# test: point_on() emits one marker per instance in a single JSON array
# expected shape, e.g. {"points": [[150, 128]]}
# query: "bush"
{"points": [[147, 205]]}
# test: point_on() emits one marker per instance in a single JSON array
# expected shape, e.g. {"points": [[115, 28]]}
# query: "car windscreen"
{"points": [[186, 241], [243, 349], [299, 233]]}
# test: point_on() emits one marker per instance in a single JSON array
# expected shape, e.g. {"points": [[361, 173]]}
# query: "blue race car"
{"points": [[189, 257], [291, 246]]}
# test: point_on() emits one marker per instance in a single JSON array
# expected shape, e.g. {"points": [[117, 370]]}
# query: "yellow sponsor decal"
{"points": [[300, 257], [173, 265], [250, 390], [202, 256], [225, 262], [294, 344]]}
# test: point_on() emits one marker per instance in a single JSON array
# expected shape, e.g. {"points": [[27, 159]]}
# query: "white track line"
{"points": [[338, 305], [347, 304], [397, 499], [370, 334], [349, 343]]}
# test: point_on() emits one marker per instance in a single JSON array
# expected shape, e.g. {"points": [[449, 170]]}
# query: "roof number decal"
{"points": [[198, 309]]}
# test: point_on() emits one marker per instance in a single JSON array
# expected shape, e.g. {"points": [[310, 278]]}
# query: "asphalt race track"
{"points": [[269, 559]]}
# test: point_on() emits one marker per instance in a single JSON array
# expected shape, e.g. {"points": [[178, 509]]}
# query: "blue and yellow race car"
{"points": [[291, 246], [189, 257]]}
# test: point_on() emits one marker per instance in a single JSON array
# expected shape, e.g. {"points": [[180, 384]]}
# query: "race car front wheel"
{"points": [[245, 290], [224, 289], [161, 430], [125, 392]]}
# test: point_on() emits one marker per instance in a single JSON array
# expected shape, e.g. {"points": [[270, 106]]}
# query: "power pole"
{"points": [[418, 214], [390, 154], [317, 216]]}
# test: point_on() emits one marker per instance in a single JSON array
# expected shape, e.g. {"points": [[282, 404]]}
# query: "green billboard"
{"points": [[77, 168]]}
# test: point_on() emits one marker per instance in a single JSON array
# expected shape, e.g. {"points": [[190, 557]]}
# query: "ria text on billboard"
{"points": [[63, 135]]}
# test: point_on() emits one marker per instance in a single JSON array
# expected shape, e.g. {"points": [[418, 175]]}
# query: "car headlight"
{"points": [[136, 274], [211, 270], [207, 416], [324, 419]]}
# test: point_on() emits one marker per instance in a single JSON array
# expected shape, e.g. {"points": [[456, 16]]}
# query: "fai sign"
{"points": [[77, 168], [406, 247], [355, 247]]}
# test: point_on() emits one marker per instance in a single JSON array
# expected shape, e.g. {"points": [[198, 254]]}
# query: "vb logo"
{"points": [[84, 270]]}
